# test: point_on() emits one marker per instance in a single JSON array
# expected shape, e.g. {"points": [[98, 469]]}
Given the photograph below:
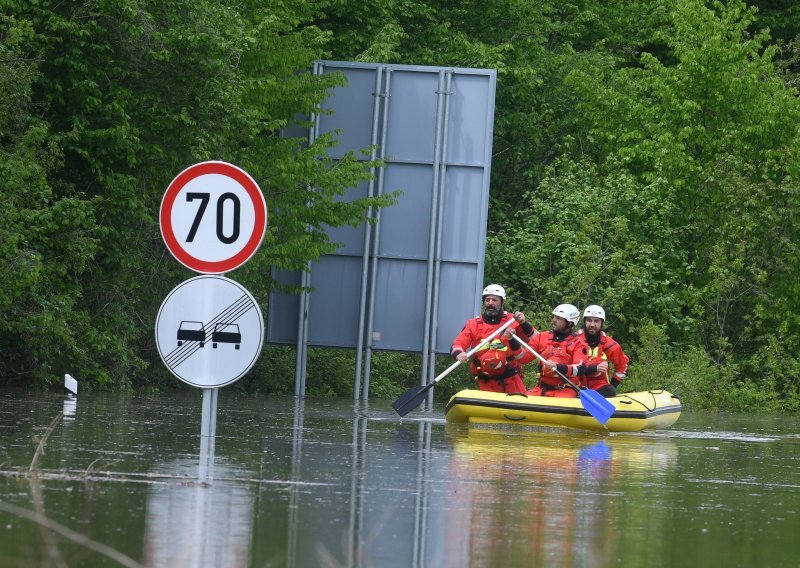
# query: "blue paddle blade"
{"points": [[596, 405]]}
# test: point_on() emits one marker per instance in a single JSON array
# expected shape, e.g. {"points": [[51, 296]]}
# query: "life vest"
{"points": [[559, 350], [492, 358], [607, 349], [487, 360]]}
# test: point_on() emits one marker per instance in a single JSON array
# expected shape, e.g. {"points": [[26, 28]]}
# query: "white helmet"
{"points": [[494, 290], [594, 311], [568, 312]]}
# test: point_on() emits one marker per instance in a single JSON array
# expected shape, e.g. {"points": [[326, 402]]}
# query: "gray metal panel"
{"points": [[353, 111], [456, 302], [351, 239], [405, 227], [412, 116], [399, 305], [333, 308], [463, 223], [295, 131], [282, 313], [470, 120]]}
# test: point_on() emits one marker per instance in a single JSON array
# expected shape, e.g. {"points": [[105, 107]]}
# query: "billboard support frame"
{"points": [[454, 163], [372, 260]]}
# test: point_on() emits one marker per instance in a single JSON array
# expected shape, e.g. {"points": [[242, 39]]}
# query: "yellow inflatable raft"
{"points": [[634, 411]]}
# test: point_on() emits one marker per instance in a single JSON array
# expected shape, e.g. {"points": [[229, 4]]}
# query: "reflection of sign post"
{"points": [[209, 331], [213, 217], [188, 524]]}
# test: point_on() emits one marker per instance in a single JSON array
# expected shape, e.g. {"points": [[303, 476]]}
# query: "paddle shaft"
{"points": [[544, 361], [409, 400]]}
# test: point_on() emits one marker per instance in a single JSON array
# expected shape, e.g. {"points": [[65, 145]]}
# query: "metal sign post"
{"points": [[208, 432], [209, 329]]}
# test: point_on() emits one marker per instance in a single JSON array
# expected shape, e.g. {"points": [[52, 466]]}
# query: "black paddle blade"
{"points": [[596, 405], [408, 401]]}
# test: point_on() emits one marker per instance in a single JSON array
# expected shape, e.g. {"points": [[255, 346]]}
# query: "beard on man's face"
{"points": [[493, 311]]}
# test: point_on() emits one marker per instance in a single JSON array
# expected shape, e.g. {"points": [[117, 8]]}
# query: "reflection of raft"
{"points": [[635, 411], [546, 449]]}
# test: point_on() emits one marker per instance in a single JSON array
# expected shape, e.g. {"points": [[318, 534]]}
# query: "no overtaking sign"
{"points": [[209, 331]]}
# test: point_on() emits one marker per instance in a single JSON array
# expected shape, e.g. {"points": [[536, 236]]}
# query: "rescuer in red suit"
{"points": [[495, 365], [595, 350], [557, 346]]}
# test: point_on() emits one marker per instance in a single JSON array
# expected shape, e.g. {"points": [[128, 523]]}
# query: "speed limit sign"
{"points": [[213, 217]]}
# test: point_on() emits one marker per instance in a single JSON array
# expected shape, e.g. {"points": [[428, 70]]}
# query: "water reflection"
{"points": [[197, 523], [70, 408], [294, 497], [416, 440], [398, 494], [546, 491], [357, 492], [358, 466]]}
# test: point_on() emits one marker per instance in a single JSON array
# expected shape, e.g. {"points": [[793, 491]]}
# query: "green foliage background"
{"points": [[645, 158]]}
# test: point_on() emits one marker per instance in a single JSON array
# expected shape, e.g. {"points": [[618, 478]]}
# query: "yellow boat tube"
{"points": [[634, 411]]}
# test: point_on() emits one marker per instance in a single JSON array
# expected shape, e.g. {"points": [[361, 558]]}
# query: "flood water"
{"points": [[292, 482]]}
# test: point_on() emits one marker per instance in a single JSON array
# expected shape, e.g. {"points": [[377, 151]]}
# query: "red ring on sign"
{"points": [[259, 206]]}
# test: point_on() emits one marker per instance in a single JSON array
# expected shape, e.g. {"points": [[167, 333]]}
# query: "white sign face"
{"points": [[209, 331], [213, 217]]}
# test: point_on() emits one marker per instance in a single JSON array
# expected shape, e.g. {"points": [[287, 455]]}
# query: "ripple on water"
{"points": [[723, 435]]}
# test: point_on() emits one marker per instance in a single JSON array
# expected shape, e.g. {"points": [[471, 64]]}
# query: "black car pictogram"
{"points": [[192, 331], [226, 333]]}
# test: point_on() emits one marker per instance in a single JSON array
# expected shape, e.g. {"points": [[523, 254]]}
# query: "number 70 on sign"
{"points": [[213, 217]]}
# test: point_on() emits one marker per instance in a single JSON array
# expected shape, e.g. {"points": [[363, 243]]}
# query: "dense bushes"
{"points": [[645, 158]]}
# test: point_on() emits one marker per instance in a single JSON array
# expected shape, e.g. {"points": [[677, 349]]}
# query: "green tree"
{"points": [[134, 91], [645, 158], [47, 229], [720, 128], [532, 45], [684, 206]]}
